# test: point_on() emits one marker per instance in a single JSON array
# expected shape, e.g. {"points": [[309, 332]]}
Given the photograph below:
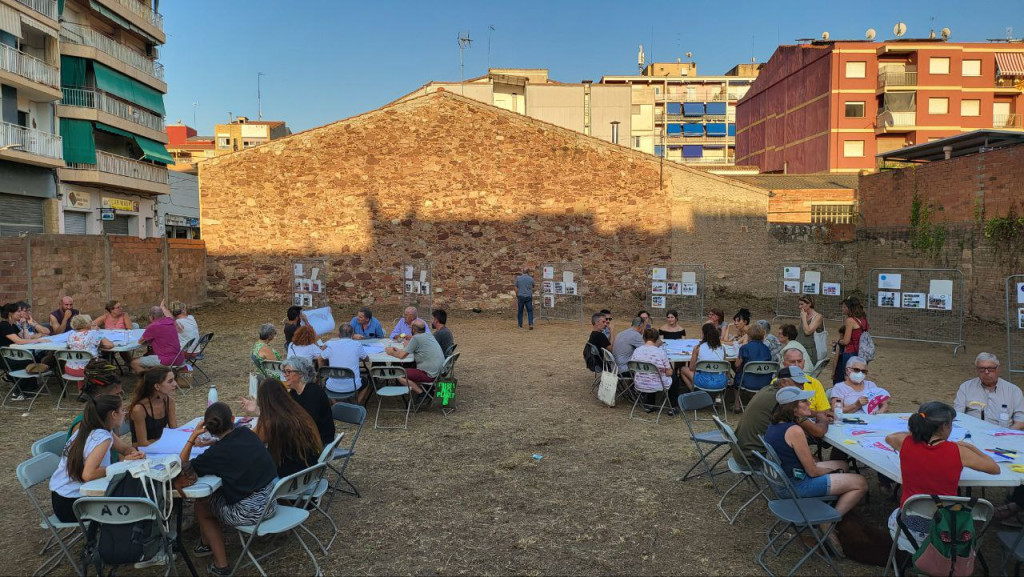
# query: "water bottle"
{"points": [[211, 397], [1004, 417], [837, 408]]}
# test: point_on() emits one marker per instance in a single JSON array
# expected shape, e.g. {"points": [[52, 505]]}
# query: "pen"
{"points": [[1008, 451]]}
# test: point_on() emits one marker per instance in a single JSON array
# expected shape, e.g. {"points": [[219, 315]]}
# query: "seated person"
{"points": [[787, 336], [403, 326], [304, 345], [626, 342], [28, 323], [771, 341], [753, 351], [821, 408], [185, 324], [598, 337], [717, 319], [13, 332], [261, 349], [101, 378], [153, 408], [607, 330], [858, 394], [288, 431], [428, 355], [115, 319], [646, 317], [709, 349], [60, 319], [162, 337], [439, 322], [346, 353], [364, 326], [989, 397], [737, 331], [247, 473], [671, 330], [649, 385], [757, 415], [84, 339], [300, 380], [294, 318]]}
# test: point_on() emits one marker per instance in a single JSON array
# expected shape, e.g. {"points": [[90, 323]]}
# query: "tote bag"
{"points": [[606, 391]]}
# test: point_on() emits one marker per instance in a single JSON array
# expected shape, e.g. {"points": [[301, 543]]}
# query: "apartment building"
{"points": [[189, 149], [112, 118], [831, 106], [30, 146]]}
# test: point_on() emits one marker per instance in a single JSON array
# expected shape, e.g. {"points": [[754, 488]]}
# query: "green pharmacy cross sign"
{"points": [[446, 391]]}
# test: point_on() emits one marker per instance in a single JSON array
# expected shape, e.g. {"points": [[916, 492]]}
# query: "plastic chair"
{"points": [[741, 468], [431, 387], [18, 355], [640, 367], [624, 384], [355, 416], [125, 511], [925, 506], [754, 368], [62, 360], [52, 443], [324, 373], [197, 354], [706, 442], [272, 369], [37, 471], [820, 367], [718, 395], [795, 517], [180, 367], [386, 385]]}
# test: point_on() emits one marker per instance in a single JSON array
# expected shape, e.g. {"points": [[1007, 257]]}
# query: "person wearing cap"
{"points": [[821, 409], [810, 478], [758, 413]]}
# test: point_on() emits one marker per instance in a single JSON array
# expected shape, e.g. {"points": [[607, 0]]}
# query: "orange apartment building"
{"points": [[831, 106]]}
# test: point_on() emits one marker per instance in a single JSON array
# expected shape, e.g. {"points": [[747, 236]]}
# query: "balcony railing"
{"points": [[897, 79], [889, 119], [144, 11], [707, 160], [121, 166], [47, 8], [1007, 121], [676, 138], [100, 100], [29, 140], [84, 36], [700, 97], [30, 67]]}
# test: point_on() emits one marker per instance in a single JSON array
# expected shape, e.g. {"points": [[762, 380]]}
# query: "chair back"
{"points": [[10, 354], [271, 367], [52, 443], [781, 486], [117, 510], [447, 367], [592, 357], [37, 469], [695, 401], [201, 345], [350, 414], [712, 367], [819, 367], [924, 506], [730, 436], [324, 373], [381, 376], [329, 448], [451, 350], [63, 357], [770, 451], [760, 368], [643, 367], [609, 361], [179, 361], [300, 486]]}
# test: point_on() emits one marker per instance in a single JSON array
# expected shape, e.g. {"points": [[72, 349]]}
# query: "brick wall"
{"points": [[97, 268]]}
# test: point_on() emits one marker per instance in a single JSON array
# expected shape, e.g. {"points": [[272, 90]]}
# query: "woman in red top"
{"points": [[849, 340], [930, 464]]}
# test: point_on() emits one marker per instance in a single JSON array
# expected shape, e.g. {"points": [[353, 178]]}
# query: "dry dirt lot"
{"points": [[463, 495]]}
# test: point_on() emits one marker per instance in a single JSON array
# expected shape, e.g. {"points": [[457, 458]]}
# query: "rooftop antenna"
{"points": [[464, 43], [931, 31], [490, 29], [899, 30], [870, 34], [640, 58], [259, 96], [195, 106]]}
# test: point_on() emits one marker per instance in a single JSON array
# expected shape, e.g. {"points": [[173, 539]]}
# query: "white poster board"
{"points": [[321, 320]]}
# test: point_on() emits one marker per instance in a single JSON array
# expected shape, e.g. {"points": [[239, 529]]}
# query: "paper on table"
{"points": [[1005, 433], [373, 349], [321, 320], [886, 425], [171, 442], [689, 277], [876, 445]]}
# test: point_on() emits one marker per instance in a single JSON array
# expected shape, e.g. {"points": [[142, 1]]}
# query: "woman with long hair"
{"points": [[86, 455], [811, 321], [672, 329], [288, 431], [709, 349], [152, 408], [856, 323]]}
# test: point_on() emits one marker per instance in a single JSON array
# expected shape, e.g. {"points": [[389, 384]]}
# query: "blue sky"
{"points": [[325, 60]]}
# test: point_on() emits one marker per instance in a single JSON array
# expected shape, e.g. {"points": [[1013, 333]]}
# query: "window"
{"points": [[855, 110], [224, 142], [938, 65], [970, 108], [938, 106], [836, 213], [636, 142], [856, 69], [972, 68], [853, 148]]}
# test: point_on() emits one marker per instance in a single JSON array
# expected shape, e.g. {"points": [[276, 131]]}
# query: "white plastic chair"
{"points": [[10, 354], [386, 386], [31, 473], [754, 368], [718, 395], [62, 360], [126, 511], [52, 443], [640, 367]]}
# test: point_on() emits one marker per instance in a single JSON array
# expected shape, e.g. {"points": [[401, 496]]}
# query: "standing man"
{"points": [[439, 322], [990, 398], [524, 296], [60, 319]]}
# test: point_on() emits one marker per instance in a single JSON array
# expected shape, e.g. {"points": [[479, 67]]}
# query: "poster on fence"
{"points": [[1020, 318], [791, 273], [549, 301], [940, 302], [913, 300], [812, 279], [658, 288], [791, 286], [831, 289], [549, 272], [689, 289], [659, 273], [673, 288], [889, 299], [1020, 293], [689, 277], [890, 281], [657, 302]]}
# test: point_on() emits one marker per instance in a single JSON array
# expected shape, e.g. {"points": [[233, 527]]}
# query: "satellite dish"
{"points": [[899, 29], [689, 55], [824, 35], [886, 119], [870, 34], [946, 33]]}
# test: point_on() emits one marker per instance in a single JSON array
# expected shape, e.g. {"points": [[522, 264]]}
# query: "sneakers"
{"points": [[214, 570], [201, 550], [531, 327], [158, 559]]}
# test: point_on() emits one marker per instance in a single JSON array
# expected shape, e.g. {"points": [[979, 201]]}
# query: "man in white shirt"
{"points": [[346, 353], [989, 397]]}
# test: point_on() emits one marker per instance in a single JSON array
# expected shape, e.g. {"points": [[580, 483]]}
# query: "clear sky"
{"points": [[325, 60]]}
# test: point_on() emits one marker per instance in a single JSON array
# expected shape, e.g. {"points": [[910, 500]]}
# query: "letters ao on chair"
{"points": [[754, 368], [62, 360], [324, 373], [34, 472], [639, 367], [713, 367]]}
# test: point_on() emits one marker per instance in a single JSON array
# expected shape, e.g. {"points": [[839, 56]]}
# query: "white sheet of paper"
{"points": [[321, 320], [549, 272], [171, 442], [568, 276], [658, 273], [408, 271], [298, 269], [913, 300], [313, 275], [689, 277], [791, 273], [890, 281], [812, 276], [1020, 293], [940, 287], [832, 289], [423, 275]]}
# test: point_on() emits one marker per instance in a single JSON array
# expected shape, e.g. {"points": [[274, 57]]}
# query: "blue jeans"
{"points": [[527, 303]]}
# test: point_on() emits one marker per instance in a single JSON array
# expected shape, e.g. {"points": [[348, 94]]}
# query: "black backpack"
{"points": [[114, 545], [594, 363]]}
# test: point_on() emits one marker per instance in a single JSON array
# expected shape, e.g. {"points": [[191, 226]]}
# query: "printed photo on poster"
{"points": [[559, 288], [307, 300], [416, 286], [423, 275], [657, 302], [810, 288], [1020, 293], [549, 301], [408, 272], [549, 272], [889, 299], [425, 288], [689, 289], [890, 281], [408, 286], [791, 273], [673, 288], [659, 273], [297, 268], [1020, 318], [315, 274], [297, 299], [657, 288], [298, 285], [317, 287], [791, 286], [913, 300], [570, 288], [831, 289], [547, 287], [940, 302], [307, 285]]}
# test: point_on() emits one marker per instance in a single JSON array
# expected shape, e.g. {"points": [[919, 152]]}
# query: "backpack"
{"points": [[949, 548], [594, 362], [866, 347], [114, 545]]}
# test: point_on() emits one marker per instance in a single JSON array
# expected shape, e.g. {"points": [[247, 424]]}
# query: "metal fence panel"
{"points": [[1015, 323], [309, 282], [678, 287], [917, 304], [562, 291], [824, 282], [418, 286]]}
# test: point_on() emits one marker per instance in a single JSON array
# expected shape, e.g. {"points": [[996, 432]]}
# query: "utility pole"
{"points": [[259, 96]]}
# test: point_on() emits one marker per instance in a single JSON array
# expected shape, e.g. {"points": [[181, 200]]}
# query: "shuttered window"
{"points": [[117, 226], [74, 222], [20, 214]]}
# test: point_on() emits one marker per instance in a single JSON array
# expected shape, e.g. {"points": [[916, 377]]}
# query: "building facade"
{"points": [[189, 149], [831, 106]]}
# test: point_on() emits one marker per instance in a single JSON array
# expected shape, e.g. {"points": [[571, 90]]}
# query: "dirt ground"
{"points": [[463, 494]]}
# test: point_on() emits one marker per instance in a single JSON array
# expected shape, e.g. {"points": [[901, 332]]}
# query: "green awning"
{"points": [[112, 130], [60, 8], [151, 149], [79, 144], [112, 81], [121, 21], [72, 72]]}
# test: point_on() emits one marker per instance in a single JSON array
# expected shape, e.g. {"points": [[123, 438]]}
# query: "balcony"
{"points": [[708, 160], [47, 8], [103, 102], [119, 172], [887, 79], [28, 67], [681, 139], [889, 121], [144, 12], [1008, 121], [701, 97], [21, 144], [83, 36]]}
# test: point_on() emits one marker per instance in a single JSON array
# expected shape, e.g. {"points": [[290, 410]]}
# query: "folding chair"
{"points": [[180, 367], [354, 415], [316, 494], [925, 506], [62, 360], [820, 366], [52, 443], [640, 367], [386, 385], [707, 442], [795, 517], [324, 373], [199, 354], [754, 368], [125, 511], [15, 355], [272, 369], [741, 468], [431, 387], [718, 395], [624, 384], [594, 361], [37, 471], [451, 351]]}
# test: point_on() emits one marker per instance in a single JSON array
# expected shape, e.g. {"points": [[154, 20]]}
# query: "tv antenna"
{"points": [[490, 29], [464, 43], [259, 96], [195, 106], [899, 30]]}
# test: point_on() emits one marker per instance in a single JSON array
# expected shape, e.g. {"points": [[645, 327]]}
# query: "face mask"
{"points": [[857, 377]]}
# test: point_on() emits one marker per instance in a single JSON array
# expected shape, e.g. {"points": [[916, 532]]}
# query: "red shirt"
{"points": [[929, 469], [854, 345], [162, 337]]}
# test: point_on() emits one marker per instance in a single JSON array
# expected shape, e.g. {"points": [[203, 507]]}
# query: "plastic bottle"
{"points": [[837, 408], [211, 397], [1004, 417]]}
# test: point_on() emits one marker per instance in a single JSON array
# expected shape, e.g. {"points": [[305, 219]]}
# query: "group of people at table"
{"points": [[791, 406]]}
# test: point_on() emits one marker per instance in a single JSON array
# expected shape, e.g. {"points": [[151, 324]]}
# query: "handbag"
{"points": [[606, 390], [821, 342]]}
